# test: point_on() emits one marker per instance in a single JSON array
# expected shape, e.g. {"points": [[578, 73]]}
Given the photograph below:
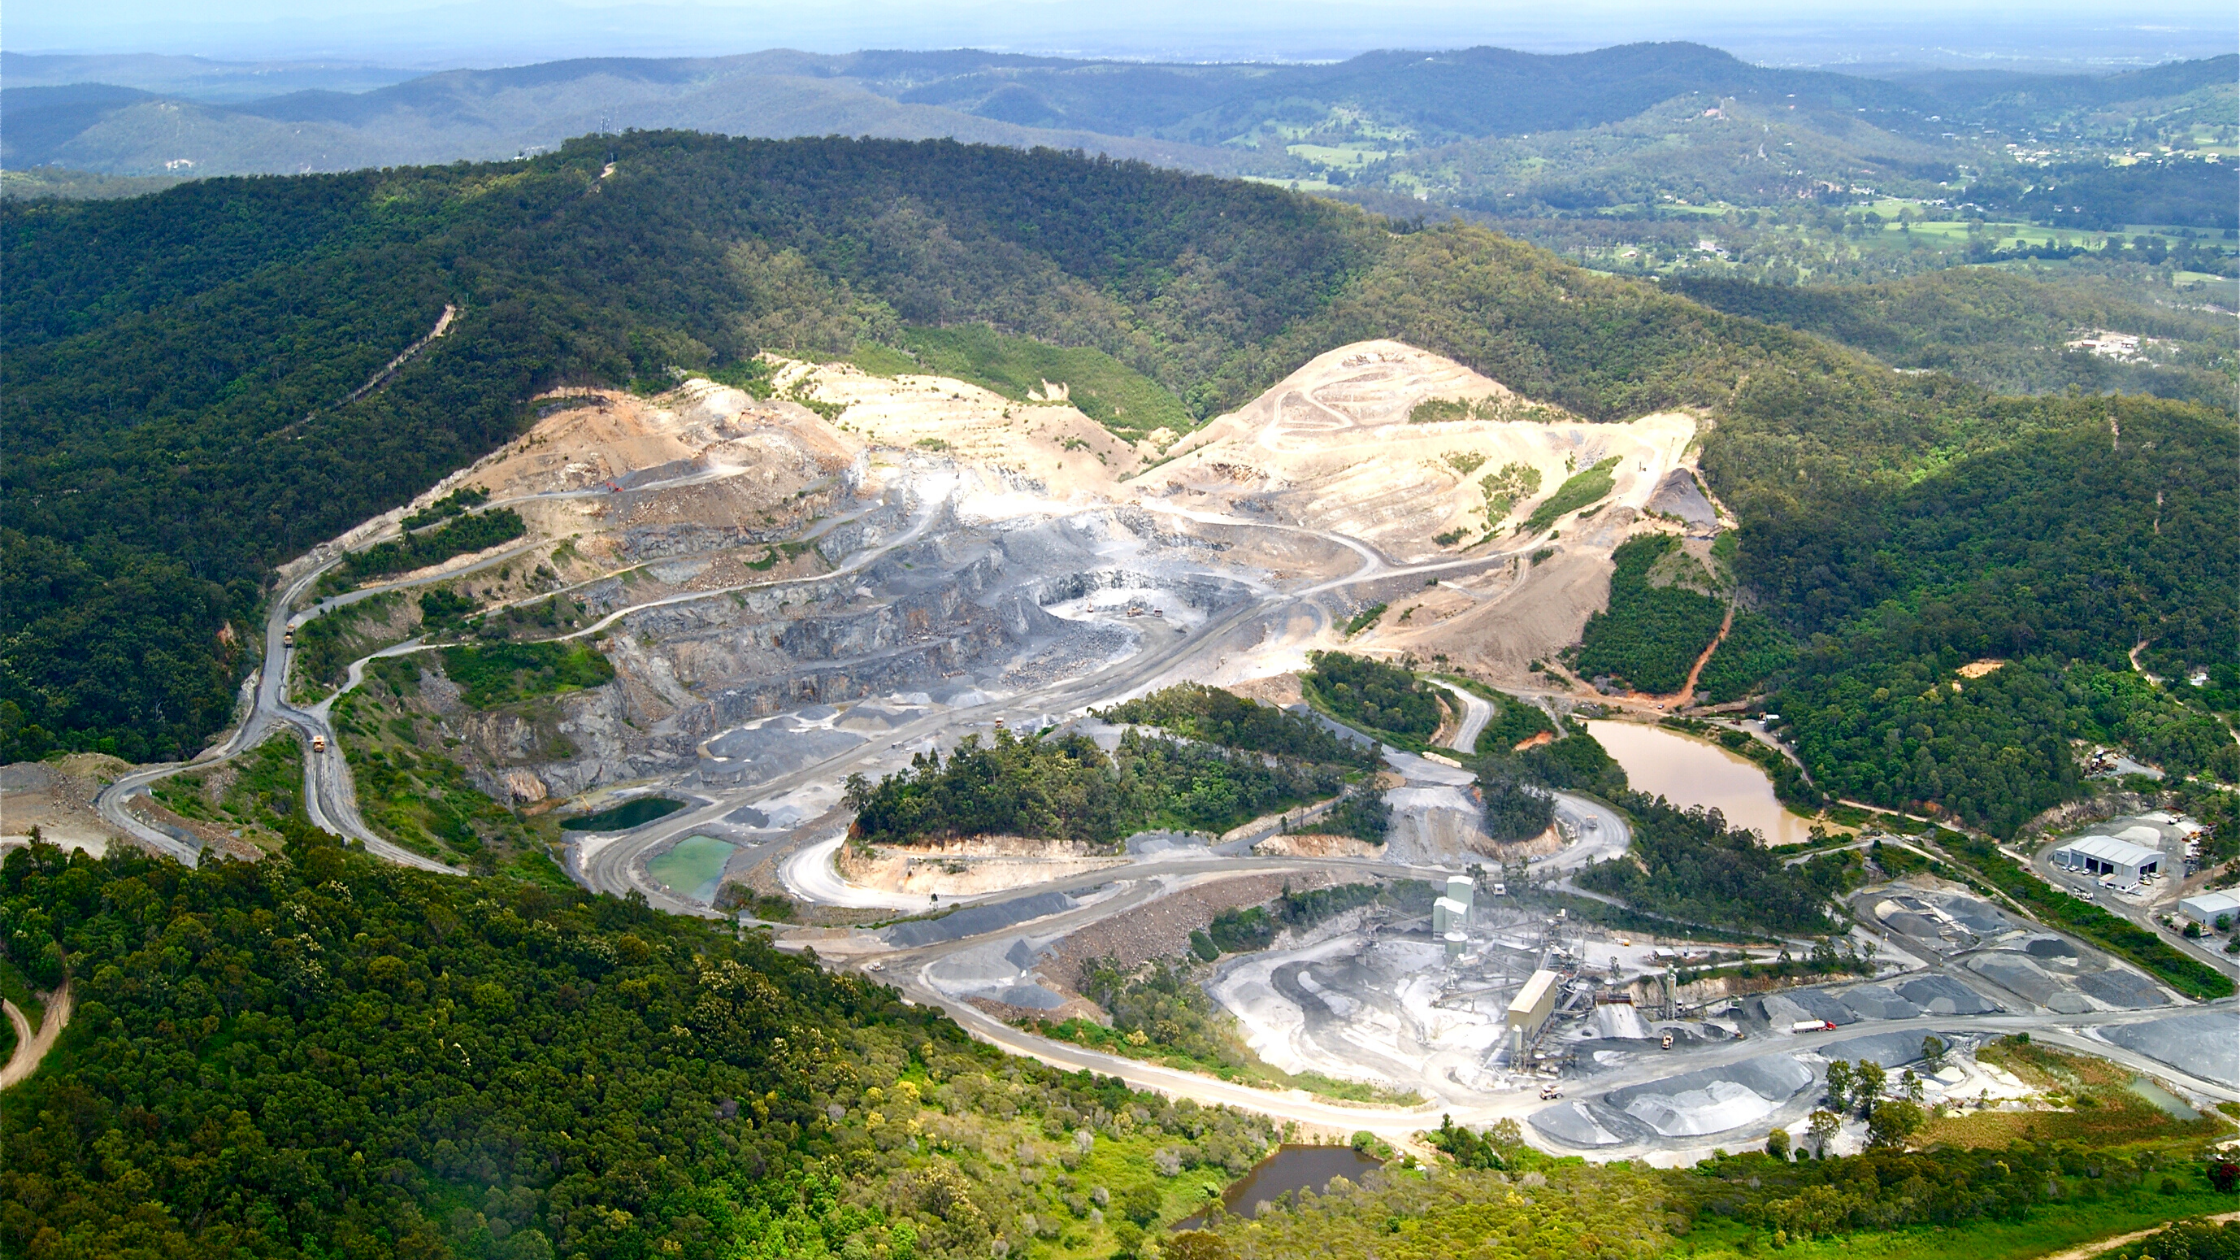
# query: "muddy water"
{"points": [[1294, 1166], [1689, 771]]}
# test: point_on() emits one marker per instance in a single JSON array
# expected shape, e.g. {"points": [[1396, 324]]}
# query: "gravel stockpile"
{"points": [[1874, 1001], [1943, 995], [2132, 992], [1714, 1100], [1586, 1125], [2204, 1043], [973, 920], [1890, 1049], [2017, 974]]}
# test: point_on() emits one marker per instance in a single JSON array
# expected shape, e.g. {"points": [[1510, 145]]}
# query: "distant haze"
{"points": [[2061, 35]]}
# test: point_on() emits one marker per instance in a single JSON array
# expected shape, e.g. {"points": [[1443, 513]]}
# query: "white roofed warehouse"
{"points": [[2206, 908], [2106, 855]]}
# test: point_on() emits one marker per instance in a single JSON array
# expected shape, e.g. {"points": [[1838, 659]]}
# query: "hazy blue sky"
{"points": [[512, 31]]}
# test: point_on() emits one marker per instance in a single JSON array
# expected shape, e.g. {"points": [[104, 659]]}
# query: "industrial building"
{"points": [[2106, 855], [2206, 908], [1534, 1003]]}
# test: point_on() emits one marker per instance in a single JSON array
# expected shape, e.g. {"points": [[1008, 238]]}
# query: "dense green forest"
{"points": [[1373, 695], [2115, 524], [323, 1055], [1687, 864], [1658, 621], [1513, 811], [1066, 788], [172, 368], [1882, 513]]}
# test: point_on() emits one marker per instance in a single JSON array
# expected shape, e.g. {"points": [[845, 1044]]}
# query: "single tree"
{"points": [[1892, 1123], [1777, 1144], [1933, 1049], [1823, 1127], [1839, 1085], [1873, 1078]]}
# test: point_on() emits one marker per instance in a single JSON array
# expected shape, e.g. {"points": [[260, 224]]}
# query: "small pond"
{"points": [[1292, 1167], [631, 813], [694, 867], [1688, 771], [2170, 1103]]}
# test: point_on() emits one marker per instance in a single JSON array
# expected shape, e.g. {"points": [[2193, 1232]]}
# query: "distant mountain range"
{"points": [[149, 115]]}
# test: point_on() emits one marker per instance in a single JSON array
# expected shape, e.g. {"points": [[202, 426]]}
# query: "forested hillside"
{"points": [[2000, 330], [2115, 525], [173, 365], [324, 1055]]}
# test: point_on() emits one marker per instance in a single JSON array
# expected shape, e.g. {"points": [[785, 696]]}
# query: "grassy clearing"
{"points": [[2098, 1108], [247, 795], [1580, 489], [1127, 402], [413, 792]]}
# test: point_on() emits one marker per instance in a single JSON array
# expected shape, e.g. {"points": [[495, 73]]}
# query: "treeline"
{"points": [[459, 536], [1066, 788], [1243, 929], [2102, 197], [1653, 631], [1687, 864], [1196, 711], [324, 1054], [1495, 1185], [1514, 721]]}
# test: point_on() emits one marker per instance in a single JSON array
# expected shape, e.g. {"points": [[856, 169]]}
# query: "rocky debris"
{"points": [[1162, 928], [57, 798]]}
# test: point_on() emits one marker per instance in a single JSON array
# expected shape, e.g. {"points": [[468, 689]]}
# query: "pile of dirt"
{"points": [[982, 864], [57, 798], [1162, 928], [1333, 447], [1052, 446]]}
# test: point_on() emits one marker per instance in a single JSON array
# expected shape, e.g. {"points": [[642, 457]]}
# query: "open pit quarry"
{"points": [[859, 569]]}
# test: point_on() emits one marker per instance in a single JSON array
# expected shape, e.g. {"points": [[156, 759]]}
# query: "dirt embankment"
{"points": [[1162, 928], [981, 864], [57, 798]]}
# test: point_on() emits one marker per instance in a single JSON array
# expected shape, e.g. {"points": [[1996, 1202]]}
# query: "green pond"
{"points": [[694, 867], [633, 813]]}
